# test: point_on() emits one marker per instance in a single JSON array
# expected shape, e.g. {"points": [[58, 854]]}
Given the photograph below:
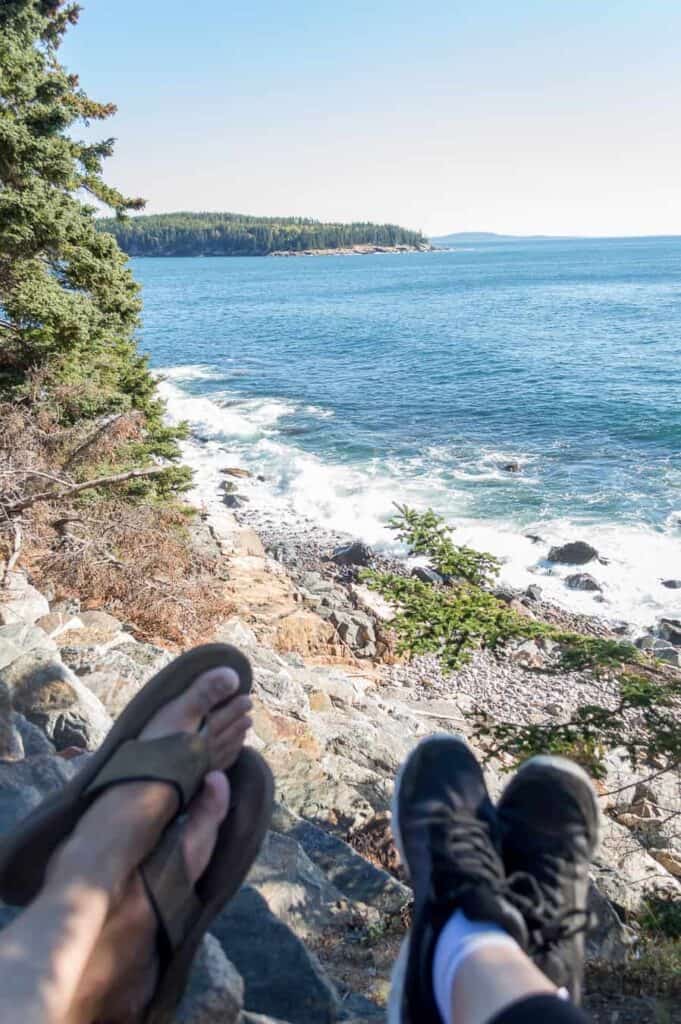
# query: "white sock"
{"points": [[456, 941]]}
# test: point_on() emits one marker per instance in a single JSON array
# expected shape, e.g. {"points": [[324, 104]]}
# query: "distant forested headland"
{"points": [[233, 234]]}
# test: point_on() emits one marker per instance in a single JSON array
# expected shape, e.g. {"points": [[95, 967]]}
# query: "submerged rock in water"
{"points": [[583, 581], [511, 467], [577, 552], [671, 584]]}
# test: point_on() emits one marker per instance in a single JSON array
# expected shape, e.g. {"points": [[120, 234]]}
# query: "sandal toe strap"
{"points": [[181, 760]]}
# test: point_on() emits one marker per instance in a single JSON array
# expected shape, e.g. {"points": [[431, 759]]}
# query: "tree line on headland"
{"points": [[234, 234]]}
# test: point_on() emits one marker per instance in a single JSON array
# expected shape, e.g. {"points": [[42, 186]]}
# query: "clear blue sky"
{"points": [[549, 116]]}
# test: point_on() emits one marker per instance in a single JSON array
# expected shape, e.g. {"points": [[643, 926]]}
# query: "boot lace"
{"points": [[539, 899]]}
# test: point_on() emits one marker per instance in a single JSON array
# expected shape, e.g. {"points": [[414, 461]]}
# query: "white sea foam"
{"points": [[359, 500], [223, 417], [190, 371]]}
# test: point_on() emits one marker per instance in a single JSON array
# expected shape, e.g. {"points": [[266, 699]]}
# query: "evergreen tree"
{"points": [[69, 305]]}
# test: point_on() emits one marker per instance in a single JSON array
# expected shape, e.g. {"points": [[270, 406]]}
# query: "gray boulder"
{"points": [[609, 938], [21, 602], [34, 740], [116, 674], [11, 743], [24, 784], [533, 592], [352, 554], [671, 584], [20, 638], [282, 978], [670, 629], [583, 581], [215, 991], [356, 878], [50, 696], [577, 552], [356, 629]]}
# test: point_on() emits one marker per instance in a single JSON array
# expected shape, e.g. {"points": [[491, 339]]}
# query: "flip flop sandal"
{"points": [[181, 760], [184, 912]]}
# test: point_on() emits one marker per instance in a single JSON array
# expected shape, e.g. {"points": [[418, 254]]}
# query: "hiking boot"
{"points": [[446, 831], [549, 821]]}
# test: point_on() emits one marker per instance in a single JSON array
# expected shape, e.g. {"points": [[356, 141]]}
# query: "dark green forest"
{"points": [[234, 234]]}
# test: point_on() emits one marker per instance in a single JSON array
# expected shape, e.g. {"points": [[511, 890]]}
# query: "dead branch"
{"points": [[67, 492]]}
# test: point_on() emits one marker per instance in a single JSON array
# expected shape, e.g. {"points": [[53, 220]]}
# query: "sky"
{"points": [[516, 116]]}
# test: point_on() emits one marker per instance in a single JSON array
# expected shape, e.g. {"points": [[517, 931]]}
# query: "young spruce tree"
{"points": [[69, 305]]}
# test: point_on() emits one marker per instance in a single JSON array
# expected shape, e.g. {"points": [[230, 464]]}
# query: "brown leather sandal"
{"points": [[180, 760], [184, 912]]}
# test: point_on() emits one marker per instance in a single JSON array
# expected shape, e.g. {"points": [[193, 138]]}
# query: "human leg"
{"points": [[44, 952], [465, 960]]}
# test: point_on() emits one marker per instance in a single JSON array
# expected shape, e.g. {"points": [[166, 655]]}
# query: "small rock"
{"points": [[528, 655], [101, 621], [427, 574], [511, 467], [233, 500], [356, 553], [670, 655], [535, 538], [577, 552], [533, 592], [55, 623], [583, 581], [671, 584], [370, 601], [554, 709], [237, 471], [669, 860], [520, 609]]}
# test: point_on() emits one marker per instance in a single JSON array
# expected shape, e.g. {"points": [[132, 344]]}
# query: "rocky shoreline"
{"points": [[357, 250], [335, 714]]}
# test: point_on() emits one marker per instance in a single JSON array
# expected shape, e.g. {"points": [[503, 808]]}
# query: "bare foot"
{"points": [[45, 953], [123, 825], [120, 978]]}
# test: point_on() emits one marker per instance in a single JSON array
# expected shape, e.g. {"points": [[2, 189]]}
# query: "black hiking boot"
{"points": [[550, 821], [445, 828]]}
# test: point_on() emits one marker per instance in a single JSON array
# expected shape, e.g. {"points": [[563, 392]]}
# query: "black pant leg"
{"points": [[541, 1010]]}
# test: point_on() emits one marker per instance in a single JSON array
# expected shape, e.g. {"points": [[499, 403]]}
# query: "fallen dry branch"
{"points": [[68, 492]]}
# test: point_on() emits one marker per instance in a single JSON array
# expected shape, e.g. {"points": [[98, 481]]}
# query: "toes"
{"points": [[206, 813], [227, 747], [223, 718], [210, 689]]}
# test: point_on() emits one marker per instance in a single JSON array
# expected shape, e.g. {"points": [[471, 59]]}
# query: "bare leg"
{"points": [[45, 952], [492, 978]]}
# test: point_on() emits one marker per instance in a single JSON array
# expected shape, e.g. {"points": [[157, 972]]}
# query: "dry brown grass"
{"points": [[131, 556]]}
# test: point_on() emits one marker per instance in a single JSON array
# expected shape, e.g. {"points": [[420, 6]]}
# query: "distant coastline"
{"points": [[235, 234]]}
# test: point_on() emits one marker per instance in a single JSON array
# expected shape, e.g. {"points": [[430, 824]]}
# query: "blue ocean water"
{"points": [[352, 382]]}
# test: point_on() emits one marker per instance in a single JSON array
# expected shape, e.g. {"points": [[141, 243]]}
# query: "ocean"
{"points": [[350, 383]]}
